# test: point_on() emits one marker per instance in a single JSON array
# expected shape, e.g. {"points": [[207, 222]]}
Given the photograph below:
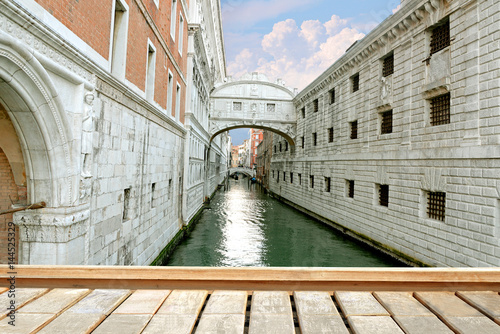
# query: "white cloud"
{"points": [[396, 9], [297, 54]]}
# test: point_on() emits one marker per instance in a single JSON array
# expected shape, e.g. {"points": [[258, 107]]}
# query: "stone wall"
{"points": [[460, 158]]}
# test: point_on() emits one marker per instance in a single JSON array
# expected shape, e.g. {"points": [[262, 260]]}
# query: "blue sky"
{"points": [[295, 40]]}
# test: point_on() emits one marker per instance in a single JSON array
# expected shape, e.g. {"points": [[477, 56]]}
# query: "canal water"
{"points": [[246, 227]]}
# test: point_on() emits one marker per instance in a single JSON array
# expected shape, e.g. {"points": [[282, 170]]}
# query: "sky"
{"points": [[294, 40]]}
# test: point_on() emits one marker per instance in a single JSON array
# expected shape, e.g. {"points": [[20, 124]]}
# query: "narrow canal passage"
{"points": [[245, 227]]}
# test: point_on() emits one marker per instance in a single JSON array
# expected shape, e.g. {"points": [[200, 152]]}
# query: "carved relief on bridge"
{"points": [[253, 102]]}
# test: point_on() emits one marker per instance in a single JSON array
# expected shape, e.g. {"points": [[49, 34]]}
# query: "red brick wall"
{"points": [[88, 19], [7, 188]]}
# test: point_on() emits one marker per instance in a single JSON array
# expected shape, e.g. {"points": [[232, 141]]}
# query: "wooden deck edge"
{"points": [[359, 279]]}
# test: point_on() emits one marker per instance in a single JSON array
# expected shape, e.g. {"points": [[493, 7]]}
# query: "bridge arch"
{"points": [[253, 102]]}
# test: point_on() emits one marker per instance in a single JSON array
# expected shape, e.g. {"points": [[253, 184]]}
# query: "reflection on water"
{"points": [[245, 227]]}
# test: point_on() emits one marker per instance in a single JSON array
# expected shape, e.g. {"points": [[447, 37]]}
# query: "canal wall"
{"points": [[399, 140]]}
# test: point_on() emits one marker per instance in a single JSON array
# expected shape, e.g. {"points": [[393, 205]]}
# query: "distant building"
{"points": [[256, 136], [263, 158]]}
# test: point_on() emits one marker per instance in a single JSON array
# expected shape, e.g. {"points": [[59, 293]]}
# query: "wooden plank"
{"points": [[349, 279], [402, 304], [21, 296], [88, 313], [317, 313], [488, 302], [475, 325], [143, 302], [123, 324], [422, 324], [178, 313], [55, 301], [355, 303], [224, 313], [374, 324], [271, 312], [25, 323], [2, 290], [171, 324], [446, 304]]}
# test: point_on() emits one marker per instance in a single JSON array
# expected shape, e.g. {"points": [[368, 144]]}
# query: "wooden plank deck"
{"points": [[114, 306]]}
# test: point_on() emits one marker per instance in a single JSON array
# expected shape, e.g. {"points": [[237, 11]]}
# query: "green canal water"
{"points": [[246, 227]]}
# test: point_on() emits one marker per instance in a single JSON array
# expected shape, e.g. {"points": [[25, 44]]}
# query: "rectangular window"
{"points": [[330, 135], [169, 189], [303, 110], [178, 102], [332, 96], [153, 195], [280, 147], [126, 204], [350, 188], [173, 18], [302, 142], [274, 148], [315, 138], [286, 146], [278, 178], [273, 174], [170, 90], [119, 42], [388, 68], [271, 107], [383, 194], [284, 176], [316, 105], [440, 110], [436, 204], [328, 183], [181, 33], [440, 37], [300, 179], [237, 106], [311, 181], [354, 130], [150, 73], [355, 82], [291, 177], [386, 122]]}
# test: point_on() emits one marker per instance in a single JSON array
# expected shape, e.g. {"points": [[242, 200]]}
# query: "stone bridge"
{"points": [[243, 170], [253, 102]]}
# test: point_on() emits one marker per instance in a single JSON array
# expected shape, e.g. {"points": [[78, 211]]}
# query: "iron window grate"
{"points": [[384, 195], [388, 67], [436, 204], [332, 96], [386, 125], [330, 135], [350, 192], [237, 106], [440, 38], [355, 83], [440, 110], [271, 107], [316, 105], [354, 130]]}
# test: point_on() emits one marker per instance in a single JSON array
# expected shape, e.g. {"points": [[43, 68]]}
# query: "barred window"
{"points": [[332, 96], [303, 111], [355, 83], [350, 188], [271, 107], [440, 110], [302, 142], [386, 124], [354, 130], [315, 138], [383, 194], [440, 38], [328, 182], [388, 67], [237, 106], [311, 179], [436, 204], [316, 105], [330, 135]]}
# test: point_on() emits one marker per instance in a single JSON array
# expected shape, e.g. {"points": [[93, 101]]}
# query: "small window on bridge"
{"points": [[271, 107], [237, 106]]}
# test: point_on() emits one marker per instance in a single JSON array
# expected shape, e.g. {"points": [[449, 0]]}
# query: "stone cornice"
{"points": [[391, 29]]}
